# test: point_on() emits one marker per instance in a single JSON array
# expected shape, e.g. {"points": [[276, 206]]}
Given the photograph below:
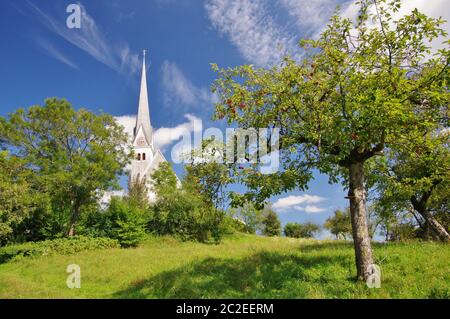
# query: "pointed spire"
{"points": [[143, 116]]}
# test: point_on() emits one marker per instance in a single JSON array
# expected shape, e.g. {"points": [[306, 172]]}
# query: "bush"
{"points": [[122, 221], [297, 230], [231, 225], [42, 224], [183, 211], [63, 246], [403, 232], [186, 216]]}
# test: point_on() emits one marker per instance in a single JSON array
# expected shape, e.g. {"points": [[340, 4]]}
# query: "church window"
{"points": [[139, 156], [143, 156]]}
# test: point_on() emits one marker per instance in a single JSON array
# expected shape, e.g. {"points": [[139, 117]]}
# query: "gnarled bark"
{"points": [[436, 227], [72, 222], [360, 229]]}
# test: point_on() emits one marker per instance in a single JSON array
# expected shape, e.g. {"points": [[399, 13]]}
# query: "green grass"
{"points": [[243, 266]]}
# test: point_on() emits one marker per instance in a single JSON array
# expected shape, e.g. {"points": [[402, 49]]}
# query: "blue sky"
{"points": [[98, 66]]}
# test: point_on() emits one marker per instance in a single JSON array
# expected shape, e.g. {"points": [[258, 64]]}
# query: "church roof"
{"points": [[143, 116]]}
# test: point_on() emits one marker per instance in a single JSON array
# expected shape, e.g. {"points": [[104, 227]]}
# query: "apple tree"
{"points": [[357, 89]]}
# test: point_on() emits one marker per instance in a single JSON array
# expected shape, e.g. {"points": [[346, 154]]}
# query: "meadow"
{"points": [[241, 266]]}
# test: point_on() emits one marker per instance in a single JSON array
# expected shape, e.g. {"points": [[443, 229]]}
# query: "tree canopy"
{"points": [[361, 86], [75, 154]]}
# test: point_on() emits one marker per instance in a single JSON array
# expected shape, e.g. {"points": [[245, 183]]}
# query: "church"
{"points": [[147, 155]]}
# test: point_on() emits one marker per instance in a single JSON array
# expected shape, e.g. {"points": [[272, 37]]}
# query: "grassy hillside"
{"points": [[242, 266]]}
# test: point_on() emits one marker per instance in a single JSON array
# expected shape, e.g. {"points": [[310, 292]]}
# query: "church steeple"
{"points": [[143, 116], [147, 156]]}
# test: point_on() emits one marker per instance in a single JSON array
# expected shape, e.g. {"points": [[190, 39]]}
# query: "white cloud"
{"points": [[51, 51], [128, 61], [434, 9], [294, 202], [310, 209], [128, 122], [167, 135], [179, 90], [91, 40], [310, 15], [249, 26], [163, 136]]}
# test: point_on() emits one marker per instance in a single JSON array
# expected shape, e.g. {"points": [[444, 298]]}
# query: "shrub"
{"points": [[403, 232], [63, 246], [186, 216], [183, 211], [122, 221], [42, 224], [297, 230], [231, 225]]}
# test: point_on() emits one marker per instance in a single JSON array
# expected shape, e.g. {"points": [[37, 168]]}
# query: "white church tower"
{"points": [[147, 156]]}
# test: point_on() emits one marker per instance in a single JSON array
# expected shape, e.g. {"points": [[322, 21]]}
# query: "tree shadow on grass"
{"points": [[334, 245], [262, 275]]}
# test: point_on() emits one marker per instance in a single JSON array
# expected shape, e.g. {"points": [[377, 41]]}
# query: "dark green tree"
{"points": [[138, 192], [296, 230], [127, 222], [75, 153], [19, 196], [271, 223]]}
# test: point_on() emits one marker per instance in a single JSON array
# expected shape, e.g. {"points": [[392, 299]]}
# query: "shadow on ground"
{"points": [[262, 275], [319, 246]]}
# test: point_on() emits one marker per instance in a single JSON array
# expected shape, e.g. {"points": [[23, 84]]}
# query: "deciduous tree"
{"points": [[296, 230], [76, 154], [355, 92], [416, 180], [340, 224], [271, 223]]}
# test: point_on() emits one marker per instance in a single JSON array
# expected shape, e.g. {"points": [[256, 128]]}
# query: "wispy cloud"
{"points": [[178, 90], [91, 40], [263, 40], [250, 27], [311, 16], [51, 51], [122, 16], [304, 203]]}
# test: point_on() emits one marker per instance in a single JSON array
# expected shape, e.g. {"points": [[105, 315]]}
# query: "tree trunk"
{"points": [[434, 225], [420, 205], [360, 229], [72, 222]]}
